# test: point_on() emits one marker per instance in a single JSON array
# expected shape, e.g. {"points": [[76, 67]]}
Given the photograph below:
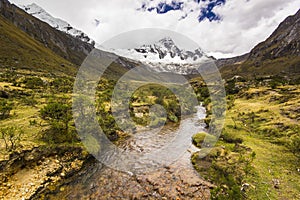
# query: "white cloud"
{"points": [[245, 23]]}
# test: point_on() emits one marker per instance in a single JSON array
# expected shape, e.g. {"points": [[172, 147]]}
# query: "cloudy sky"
{"points": [[223, 28]]}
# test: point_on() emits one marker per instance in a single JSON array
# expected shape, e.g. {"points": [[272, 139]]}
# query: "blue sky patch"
{"points": [[163, 8], [206, 12]]}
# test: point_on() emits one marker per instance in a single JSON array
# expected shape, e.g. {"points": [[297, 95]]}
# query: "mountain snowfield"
{"points": [[164, 56], [59, 24]]}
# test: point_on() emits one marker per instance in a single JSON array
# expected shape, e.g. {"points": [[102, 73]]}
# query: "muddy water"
{"points": [[176, 180]]}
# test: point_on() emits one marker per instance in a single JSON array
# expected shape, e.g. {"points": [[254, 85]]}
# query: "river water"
{"points": [[170, 180]]}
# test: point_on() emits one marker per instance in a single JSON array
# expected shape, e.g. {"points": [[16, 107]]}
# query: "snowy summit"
{"points": [[163, 51], [41, 14], [164, 56]]}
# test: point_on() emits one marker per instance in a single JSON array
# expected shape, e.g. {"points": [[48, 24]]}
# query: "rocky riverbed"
{"points": [[177, 180], [24, 174], [71, 173]]}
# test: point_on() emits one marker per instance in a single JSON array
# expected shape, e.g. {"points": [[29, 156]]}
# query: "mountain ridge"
{"points": [[164, 56], [19, 50], [278, 55], [59, 24], [163, 51], [63, 44]]}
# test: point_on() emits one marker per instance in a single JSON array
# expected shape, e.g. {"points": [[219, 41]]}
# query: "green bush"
{"points": [[107, 121], [295, 145], [33, 82], [226, 170], [199, 138], [29, 101], [5, 108], [62, 84], [231, 138], [58, 115], [11, 137], [172, 117], [231, 88]]}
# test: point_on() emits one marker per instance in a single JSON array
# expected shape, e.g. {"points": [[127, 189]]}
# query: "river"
{"points": [[177, 180]]}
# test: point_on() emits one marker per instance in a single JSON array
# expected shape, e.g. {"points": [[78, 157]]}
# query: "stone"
{"points": [[276, 183]]}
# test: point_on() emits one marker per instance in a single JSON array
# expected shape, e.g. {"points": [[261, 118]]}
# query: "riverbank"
{"points": [[257, 156], [26, 173]]}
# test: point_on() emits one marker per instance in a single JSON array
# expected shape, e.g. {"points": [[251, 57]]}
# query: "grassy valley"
{"points": [[256, 157]]}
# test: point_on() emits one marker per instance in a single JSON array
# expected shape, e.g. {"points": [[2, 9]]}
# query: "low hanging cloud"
{"points": [[225, 29]]}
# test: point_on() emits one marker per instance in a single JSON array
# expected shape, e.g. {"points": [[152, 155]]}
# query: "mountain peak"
{"points": [[38, 12], [167, 41], [164, 56], [166, 51]]}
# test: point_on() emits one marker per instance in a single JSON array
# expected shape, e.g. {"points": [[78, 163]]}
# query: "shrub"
{"points": [[199, 138], [33, 82], [62, 84], [5, 108], [58, 115], [231, 138], [231, 88], [29, 101], [295, 145], [172, 118], [11, 137]]}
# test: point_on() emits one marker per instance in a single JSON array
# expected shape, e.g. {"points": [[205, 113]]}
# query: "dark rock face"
{"points": [[285, 41], [66, 46]]}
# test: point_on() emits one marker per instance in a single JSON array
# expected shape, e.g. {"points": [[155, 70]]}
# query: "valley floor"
{"points": [[257, 152]]}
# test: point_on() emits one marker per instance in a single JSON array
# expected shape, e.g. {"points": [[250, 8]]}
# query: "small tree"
{"points": [[58, 115], [5, 108], [11, 137]]}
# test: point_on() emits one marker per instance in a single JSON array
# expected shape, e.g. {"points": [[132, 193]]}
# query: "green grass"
{"points": [[273, 161], [27, 104], [19, 50], [284, 66]]}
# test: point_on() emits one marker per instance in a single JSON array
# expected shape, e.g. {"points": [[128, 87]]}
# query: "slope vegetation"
{"points": [[17, 49]]}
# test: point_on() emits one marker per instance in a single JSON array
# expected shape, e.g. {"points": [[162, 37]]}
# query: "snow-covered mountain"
{"points": [[164, 56], [163, 51], [59, 24]]}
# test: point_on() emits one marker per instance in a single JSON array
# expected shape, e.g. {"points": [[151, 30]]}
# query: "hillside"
{"points": [[38, 12], [19, 50], [63, 44], [277, 55]]}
